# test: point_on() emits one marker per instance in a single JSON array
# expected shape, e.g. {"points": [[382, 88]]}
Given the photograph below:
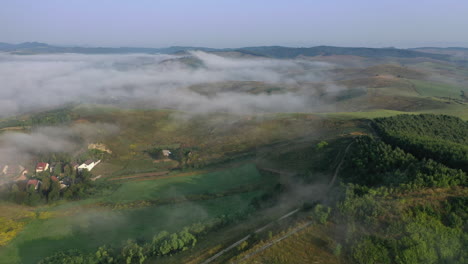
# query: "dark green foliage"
{"points": [[374, 163], [132, 253], [384, 218], [105, 255], [79, 185], [321, 213], [438, 137], [370, 250], [70, 257], [13, 123], [286, 52], [155, 153], [420, 234], [55, 117], [162, 244]]}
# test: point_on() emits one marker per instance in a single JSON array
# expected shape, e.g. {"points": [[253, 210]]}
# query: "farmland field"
{"points": [[87, 226]]}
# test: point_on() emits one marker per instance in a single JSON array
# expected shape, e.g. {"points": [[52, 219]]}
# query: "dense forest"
{"points": [[403, 200], [374, 163], [439, 137]]}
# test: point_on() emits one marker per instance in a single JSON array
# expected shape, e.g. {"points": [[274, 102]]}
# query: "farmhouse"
{"points": [[22, 177], [12, 170], [89, 165], [4, 168], [35, 183], [42, 166], [166, 152]]}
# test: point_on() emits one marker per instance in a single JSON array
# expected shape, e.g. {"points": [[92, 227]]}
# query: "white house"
{"points": [[89, 165], [42, 166]]}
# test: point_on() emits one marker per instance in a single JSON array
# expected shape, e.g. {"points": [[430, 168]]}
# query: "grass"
{"points": [[437, 89], [214, 137], [365, 114], [311, 245], [213, 182], [84, 225], [95, 227]]}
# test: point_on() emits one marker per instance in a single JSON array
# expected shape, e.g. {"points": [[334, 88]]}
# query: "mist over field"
{"points": [[18, 147], [36, 82]]}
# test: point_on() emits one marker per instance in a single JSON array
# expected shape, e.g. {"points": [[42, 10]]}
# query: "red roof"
{"points": [[54, 178], [34, 182], [41, 166]]}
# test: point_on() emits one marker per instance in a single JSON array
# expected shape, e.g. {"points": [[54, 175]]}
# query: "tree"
{"points": [[54, 193], [368, 251], [133, 253], [67, 170], [322, 144], [33, 196], [105, 255], [157, 242], [58, 169], [321, 213], [45, 186]]}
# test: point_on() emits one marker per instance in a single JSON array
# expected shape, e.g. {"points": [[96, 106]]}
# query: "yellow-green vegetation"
{"points": [[12, 220], [436, 89], [209, 138], [9, 229], [310, 245], [86, 225], [365, 114], [213, 182]]}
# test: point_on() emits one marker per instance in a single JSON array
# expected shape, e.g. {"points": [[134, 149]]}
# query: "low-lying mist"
{"points": [[19, 147], [33, 82]]}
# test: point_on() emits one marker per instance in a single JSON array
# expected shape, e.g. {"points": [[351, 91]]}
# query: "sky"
{"points": [[234, 23]]}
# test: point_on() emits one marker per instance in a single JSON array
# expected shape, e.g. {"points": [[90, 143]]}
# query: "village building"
{"points": [[42, 166], [22, 176], [4, 169], [166, 152], [89, 165], [35, 183]]}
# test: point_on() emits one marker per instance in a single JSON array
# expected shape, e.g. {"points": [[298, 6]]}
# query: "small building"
{"points": [[166, 152], [22, 177], [89, 165], [4, 169], [35, 183], [42, 166], [54, 178]]}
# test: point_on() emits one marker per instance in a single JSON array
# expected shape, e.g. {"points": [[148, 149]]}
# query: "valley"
{"points": [[255, 155]]}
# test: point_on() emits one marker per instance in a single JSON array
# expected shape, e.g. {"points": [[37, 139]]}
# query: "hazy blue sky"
{"points": [[229, 23]]}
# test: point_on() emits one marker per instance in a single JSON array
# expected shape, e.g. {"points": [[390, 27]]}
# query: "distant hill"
{"points": [[456, 52], [265, 51], [285, 52], [40, 48]]}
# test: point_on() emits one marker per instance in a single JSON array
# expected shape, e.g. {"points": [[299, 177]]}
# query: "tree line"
{"points": [[439, 137], [161, 245], [374, 163]]}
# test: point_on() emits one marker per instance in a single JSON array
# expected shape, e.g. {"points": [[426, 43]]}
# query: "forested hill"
{"points": [[265, 51], [286, 52], [438, 137]]}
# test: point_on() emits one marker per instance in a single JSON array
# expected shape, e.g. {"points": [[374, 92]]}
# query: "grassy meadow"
{"points": [[85, 225]]}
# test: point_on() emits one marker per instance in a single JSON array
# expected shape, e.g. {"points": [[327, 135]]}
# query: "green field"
{"points": [[436, 89], [84, 225], [213, 182]]}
